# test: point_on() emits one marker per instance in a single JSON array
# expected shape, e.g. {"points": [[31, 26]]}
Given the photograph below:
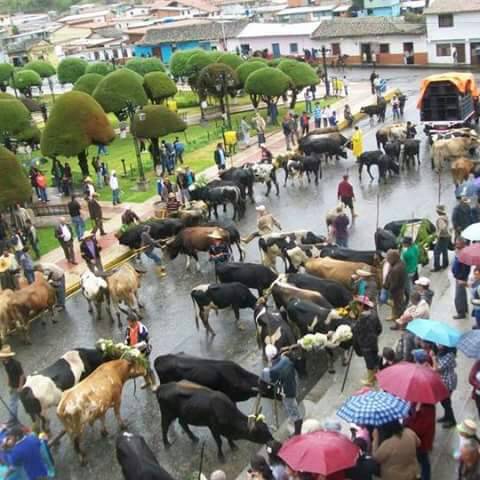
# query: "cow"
{"points": [[461, 170], [91, 399], [218, 296], [396, 226], [311, 164], [296, 256], [411, 149], [397, 131], [7, 320], [452, 133], [220, 193], [393, 149], [372, 257], [95, 290], [328, 145], [244, 177], [196, 405], [252, 275], [224, 376], [377, 157], [137, 460], [446, 150], [379, 109], [266, 173], [43, 390], [294, 169]]}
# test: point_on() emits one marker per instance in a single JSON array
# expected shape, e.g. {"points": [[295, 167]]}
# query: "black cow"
{"points": [[283, 292], [385, 240], [311, 164], [220, 194], [265, 173], [396, 226], [218, 296], [329, 146], [244, 177], [159, 229], [379, 109], [378, 158], [193, 404], [334, 292], [224, 376], [411, 149], [137, 460], [252, 275], [387, 165], [393, 149], [371, 257], [232, 229]]}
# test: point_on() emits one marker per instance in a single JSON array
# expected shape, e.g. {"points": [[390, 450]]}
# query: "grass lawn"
{"points": [[47, 240]]}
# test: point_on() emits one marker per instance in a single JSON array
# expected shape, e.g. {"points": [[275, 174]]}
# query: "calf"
{"points": [[379, 110], [295, 257], [196, 405], [218, 296], [90, 399], [461, 170], [95, 290]]}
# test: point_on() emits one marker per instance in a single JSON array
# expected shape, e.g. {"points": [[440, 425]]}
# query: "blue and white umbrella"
{"points": [[469, 344], [374, 408]]}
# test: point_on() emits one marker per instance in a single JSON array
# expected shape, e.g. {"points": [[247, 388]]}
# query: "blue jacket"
{"points": [[283, 371], [460, 270], [27, 454]]}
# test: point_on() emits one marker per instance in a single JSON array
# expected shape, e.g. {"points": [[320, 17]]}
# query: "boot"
{"points": [[369, 381], [297, 425]]}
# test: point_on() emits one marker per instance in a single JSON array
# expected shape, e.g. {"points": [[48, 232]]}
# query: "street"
{"points": [[169, 312]]}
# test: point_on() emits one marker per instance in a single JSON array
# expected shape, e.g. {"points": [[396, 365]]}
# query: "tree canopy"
{"points": [[23, 80], [230, 59], [302, 75], [44, 69], [87, 83], [5, 73], [159, 86], [178, 62], [14, 184], [246, 68], [267, 84], [76, 121], [70, 70], [142, 66], [100, 68], [14, 117], [217, 80], [195, 64], [118, 89]]}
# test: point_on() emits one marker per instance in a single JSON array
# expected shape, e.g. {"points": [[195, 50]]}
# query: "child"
{"points": [[388, 358]]}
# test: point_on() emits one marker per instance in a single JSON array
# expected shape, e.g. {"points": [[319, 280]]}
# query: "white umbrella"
{"points": [[472, 233]]}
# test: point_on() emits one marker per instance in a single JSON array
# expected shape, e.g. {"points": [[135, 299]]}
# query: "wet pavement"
{"points": [[169, 312]]}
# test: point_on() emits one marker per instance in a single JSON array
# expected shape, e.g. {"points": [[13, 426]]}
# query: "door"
{"points": [[275, 50], [460, 52], [409, 53], [475, 53], [366, 52]]}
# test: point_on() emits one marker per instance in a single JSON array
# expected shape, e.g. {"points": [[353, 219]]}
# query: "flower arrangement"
{"points": [[315, 341], [121, 351]]}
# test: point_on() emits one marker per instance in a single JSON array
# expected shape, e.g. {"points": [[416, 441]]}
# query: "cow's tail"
{"points": [[195, 309]]}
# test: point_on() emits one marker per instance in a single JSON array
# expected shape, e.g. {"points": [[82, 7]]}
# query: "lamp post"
{"points": [[222, 88], [12, 76], [325, 72], [131, 110]]}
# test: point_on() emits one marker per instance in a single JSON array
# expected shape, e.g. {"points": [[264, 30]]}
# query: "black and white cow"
{"points": [[296, 257], [95, 290], [220, 193], [266, 173], [385, 240], [43, 390], [159, 229], [218, 296], [244, 177]]}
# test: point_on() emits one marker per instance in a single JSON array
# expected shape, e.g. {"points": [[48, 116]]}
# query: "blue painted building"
{"points": [[380, 8]]}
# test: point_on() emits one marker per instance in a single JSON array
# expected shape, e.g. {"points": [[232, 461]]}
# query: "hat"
{"points": [[420, 355], [363, 272], [260, 208], [468, 428], [441, 209], [180, 170], [5, 263], [6, 352], [216, 234], [88, 179], [423, 282], [171, 195], [364, 300], [270, 351]]}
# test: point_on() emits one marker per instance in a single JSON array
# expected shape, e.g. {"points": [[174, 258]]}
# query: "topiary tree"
{"points": [[76, 121], [214, 55], [14, 117], [258, 59], [14, 184], [142, 66], [195, 64], [70, 70], [230, 59], [158, 122], [178, 62], [44, 69], [302, 75], [24, 80], [246, 68], [87, 83], [100, 68], [119, 89], [159, 86], [6, 71]]}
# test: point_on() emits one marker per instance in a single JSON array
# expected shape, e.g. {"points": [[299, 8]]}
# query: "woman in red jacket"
{"points": [[474, 379]]}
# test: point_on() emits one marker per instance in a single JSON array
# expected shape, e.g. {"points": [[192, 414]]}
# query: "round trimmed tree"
{"points": [[142, 66], [267, 84], [156, 122], [44, 69], [23, 80], [195, 64], [246, 68], [88, 83], [100, 68], [6, 71], [14, 117], [178, 62], [217, 80], [159, 86], [76, 121], [230, 59], [14, 184], [302, 75], [70, 70]]}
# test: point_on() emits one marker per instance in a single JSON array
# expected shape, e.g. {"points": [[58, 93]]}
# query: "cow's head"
{"points": [[136, 369], [268, 390], [258, 431], [92, 285]]}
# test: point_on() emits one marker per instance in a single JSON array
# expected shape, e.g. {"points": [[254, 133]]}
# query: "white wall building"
{"points": [[453, 27]]}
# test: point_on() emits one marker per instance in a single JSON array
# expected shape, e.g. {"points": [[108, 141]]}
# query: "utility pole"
{"points": [[325, 72]]}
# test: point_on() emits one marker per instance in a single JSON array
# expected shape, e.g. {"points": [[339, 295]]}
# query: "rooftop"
{"points": [[84, 16], [295, 10], [450, 6], [278, 29], [360, 26], [202, 5]]}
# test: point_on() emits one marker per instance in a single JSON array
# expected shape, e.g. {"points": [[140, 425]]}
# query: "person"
{"points": [[56, 277], [418, 308], [460, 271], [287, 132], [18, 242], [90, 252], [365, 283], [377, 84], [173, 204], [136, 335], [15, 381], [67, 179], [32, 175], [422, 285], [347, 115], [179, 148], [346, 85], [98, 171], [57, 174], [366, 330], [260, 126], [305, 123], [282, 372], [8, 269], [411, 130], [218, 251], [395, 282], [20, 217], [326, 113], [266, 224], [365, 467], [474, 380], [170, 156], [266, 156], [88, 188], [346, 195], [189, 176], [410, 255], [461, 216], [373, 76], [219, 157], [74, 209], [129, 217], [317, 115], [245, 131], [148, 245], [41, 182], [469, 465], [32, 238], [308, 100], [115, 187], [277, 465], [104, 172], [340, 226], [395, 108], [182, 185], [357, 142], [388, 358], [394, 448], [454, 54], [443, 239], [260, 469], [64, 235], [332, 119], [26, 262], [467, 431], [293, 120], [444, 363], [96, 214]]}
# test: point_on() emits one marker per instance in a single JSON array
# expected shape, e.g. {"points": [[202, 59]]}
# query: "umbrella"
{"points": [[413, 382], [373, 408], [319, 452], [469, 344], [434, 331], [472, 232], [470, 255]]}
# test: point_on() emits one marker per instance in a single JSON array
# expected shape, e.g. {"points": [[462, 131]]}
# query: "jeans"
{"points": [[98, 225], [79, 225], [291, 407], [116, 196], [447, 406], [425, 468], [43, 194], [318, 122], [341, 242], [60, 291], [153, 256], [13, 407], [441, 250], [461, 304], [287, 140], [29, 275]]}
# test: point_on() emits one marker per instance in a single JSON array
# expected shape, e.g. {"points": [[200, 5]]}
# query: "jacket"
{"points": [[283, 371], [461, 216], [217, 157], [422, 422], [397, 275], [442, 226], [85, 251], [366, 330], [59, 234], [143, 336], [459, 270], [94, 209]]}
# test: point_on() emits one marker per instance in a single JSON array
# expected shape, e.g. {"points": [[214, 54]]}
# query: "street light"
{"points": [[325, 72], [13, 84], [50, 84], [131, 110]]}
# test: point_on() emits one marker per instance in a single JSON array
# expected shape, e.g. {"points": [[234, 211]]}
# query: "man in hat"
{"points": [[15, 380], [115, 187], [75, 211], [218, 251], [148, 245], [173, 205], [423, 288], [56, 277], [8, 269], [461, 216], [64, 235], [395, 282], [96, 214], [88, 188], [90, 252], [410, 256], [366, 330], [461, 272], [266, 224], [340, 227], [443, 239], [345, 194], [282, 371]]}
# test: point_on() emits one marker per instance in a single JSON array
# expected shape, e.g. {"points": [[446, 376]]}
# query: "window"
{"points": [[294, 48], [443, 50], [445, 20], [336, 49], [384, 48]]}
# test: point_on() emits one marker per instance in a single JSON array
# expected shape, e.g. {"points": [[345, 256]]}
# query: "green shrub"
{"points": [[87, 83], [70, 70]]}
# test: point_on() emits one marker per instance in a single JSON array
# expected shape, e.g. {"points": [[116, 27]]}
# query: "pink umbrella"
{"points": [[470, 255]]}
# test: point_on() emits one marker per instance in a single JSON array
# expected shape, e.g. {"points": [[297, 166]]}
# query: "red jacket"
{"points": [[423, 424], [472, 380], [345, 190]]}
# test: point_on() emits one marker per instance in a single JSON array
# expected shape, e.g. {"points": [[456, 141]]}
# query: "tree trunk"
{"points": [[254, 99], [155, 152], [83, 163], [294, 98]]}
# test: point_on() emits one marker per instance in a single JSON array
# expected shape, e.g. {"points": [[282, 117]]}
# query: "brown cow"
{"points": [[461, 169], [7, 321], [90, 399], [446, 150]]}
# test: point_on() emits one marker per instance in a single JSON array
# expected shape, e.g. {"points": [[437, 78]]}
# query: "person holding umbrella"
{"points": [[444, 363], [460, 271]]}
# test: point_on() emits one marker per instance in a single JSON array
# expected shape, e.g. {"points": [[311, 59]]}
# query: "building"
{"points": [[452, 28], [413, 6], [305, 14], [380, 8], [385, 41]]}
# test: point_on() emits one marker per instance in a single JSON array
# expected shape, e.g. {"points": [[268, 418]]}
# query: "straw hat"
{"points": [[423, 282], [363, 273], [6, 352], [171, 195], [216, 234], [468, 428], [441, 209], [364, 300], [5, 263], [88, 179], [260, 208]]}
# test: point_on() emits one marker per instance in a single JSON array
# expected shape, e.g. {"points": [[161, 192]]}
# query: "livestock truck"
{"points": [[447, 101]]}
